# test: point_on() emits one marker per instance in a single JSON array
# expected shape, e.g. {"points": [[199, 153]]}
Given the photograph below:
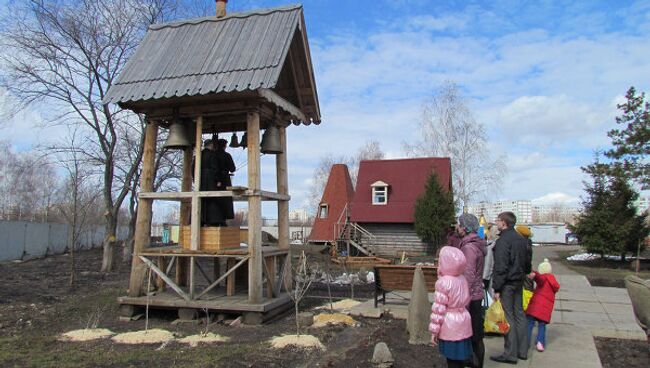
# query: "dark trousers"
{"points": [[455, 363], [516, 342], [477, 313]]}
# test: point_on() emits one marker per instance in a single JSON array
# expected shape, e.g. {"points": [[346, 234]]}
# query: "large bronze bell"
{"points": [[271, 140], [233, 141], [244, 141], [177, 138]]}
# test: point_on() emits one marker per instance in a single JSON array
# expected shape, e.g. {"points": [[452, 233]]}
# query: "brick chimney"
{"points": [[221, 8]]}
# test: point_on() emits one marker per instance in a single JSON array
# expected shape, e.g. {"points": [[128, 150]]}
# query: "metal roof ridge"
{"points": [[195, 74], [195, 21], [410, 159]]}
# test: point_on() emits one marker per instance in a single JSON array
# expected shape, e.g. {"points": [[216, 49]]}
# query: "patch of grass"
{"points": [[601, 273], [42, 351]]}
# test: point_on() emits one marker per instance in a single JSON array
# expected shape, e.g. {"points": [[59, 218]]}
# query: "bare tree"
{"points": [[77, 197], [67, 53], [167, 166], [371, 150], [448, 129], [26, 183]]}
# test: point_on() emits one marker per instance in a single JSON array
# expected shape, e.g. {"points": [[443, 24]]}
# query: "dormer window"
{"points": [[322, 210], [379, 193]]}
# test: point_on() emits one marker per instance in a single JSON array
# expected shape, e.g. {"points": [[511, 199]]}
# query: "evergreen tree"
{"points": [[609, 223], [593, 225], [630, 229], [434, 212], [632, 141]]}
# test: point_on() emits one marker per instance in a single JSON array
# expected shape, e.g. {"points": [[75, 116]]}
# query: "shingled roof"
{"points": [[336, 196], [406, 180], [253, 51]]}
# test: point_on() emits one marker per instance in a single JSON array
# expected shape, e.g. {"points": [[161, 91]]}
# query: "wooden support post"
{"points": [[283, 206], [254, 210], [195, 226], [283, 188], [230, 281], [216, 268], [162, 264], [186, 210], [143, 220]]}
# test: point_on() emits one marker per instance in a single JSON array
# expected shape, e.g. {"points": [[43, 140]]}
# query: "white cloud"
{"points": [[554, 120], [556, 198]]}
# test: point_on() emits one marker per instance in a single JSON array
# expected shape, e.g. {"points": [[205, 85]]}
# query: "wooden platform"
{"points": [[221, 303], [177, 251], [238, 304]]}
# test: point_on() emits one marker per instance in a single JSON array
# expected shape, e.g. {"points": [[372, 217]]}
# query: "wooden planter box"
{"points": [[213, 238]]}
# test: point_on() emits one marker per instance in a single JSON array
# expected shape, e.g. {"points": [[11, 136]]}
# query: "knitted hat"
{"points": [[468, 222], [544, 267], [524, 231]]}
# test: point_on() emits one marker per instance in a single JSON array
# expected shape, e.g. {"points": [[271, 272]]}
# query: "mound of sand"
{"points": [[86, 334], [303, 341], [325, 319], [342, 305], [153, 336], [195, 340]]}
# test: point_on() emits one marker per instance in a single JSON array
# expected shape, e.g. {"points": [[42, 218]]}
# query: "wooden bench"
{"points": [[400, 278]]}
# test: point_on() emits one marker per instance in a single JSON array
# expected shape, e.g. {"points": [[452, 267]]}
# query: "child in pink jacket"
{"points": [[451, 325]]}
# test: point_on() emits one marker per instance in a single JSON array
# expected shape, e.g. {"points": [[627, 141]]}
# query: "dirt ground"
{"points": [[36, 305], [615, 353]]}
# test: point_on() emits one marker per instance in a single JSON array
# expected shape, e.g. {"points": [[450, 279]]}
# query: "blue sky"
{"points": [[544, 78]]}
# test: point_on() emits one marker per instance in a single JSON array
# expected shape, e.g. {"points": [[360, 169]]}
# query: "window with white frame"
{"points": [[322, 210], [379, 193]]}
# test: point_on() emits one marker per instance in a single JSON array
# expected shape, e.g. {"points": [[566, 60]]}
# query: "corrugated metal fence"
{"points": [[26, 240]]}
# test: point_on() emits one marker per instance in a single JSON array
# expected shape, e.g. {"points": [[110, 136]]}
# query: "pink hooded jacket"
{"points": [[450, 320]]}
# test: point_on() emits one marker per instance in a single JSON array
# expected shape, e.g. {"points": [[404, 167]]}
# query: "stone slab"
{"points": [[620, 334], [582, 306], [615, 308]]}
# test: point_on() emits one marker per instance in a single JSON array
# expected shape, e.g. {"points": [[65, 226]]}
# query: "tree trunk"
{"points": [[127, 252], [108, 258]]}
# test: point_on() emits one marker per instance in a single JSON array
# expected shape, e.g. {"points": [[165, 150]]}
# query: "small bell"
{"points": [[233, 141], [271, 140], [244, 141]]}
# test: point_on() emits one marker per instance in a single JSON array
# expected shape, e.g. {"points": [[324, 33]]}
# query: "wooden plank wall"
{"points": [[393, 239]]}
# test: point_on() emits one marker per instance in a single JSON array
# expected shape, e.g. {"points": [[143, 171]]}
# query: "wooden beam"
{"points": [[195, 226], [283, 190], [237, 196], [269, 268], [287, 106], [296, 85], [143, 219], [285, 280], [254, 210], [225, 275], [186, 212], [162, 275]]}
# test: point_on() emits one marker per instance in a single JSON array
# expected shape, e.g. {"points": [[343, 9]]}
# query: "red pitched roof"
{"points": [[406, 179], [337, 194]]}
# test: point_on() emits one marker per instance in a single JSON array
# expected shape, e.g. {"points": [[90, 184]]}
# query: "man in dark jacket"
{"points": [[225, 166], [510, 258]]}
